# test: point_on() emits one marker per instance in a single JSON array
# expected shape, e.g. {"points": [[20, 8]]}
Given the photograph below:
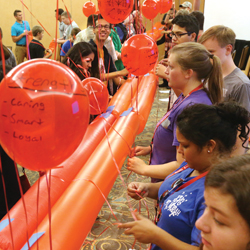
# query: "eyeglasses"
{"points": [[179, 35], [106, 27]]}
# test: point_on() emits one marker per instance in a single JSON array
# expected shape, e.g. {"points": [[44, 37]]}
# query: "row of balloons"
{"points": [[114, 12], [45, 107]]}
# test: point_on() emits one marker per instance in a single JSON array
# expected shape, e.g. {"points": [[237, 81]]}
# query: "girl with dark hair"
{"points": [[80, 58], [190, 68], [225, 223], [180, 197]]}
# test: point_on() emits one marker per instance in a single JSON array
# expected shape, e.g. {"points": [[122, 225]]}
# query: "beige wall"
{"points": [[44, 11]]}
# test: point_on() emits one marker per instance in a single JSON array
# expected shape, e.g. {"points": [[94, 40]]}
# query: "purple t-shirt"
{"points": [[165, 141]]}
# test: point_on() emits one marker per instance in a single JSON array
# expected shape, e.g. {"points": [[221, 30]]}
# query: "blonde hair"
{"points": [[224, 35], [37, 29], [66, 14], [194, 56]]}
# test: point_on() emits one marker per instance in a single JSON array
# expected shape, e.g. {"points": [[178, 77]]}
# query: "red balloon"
{"points": [[115, 11], [45, 113], [98, 95], [164, 5], [150, 9], [139, 54], [89, 9]]}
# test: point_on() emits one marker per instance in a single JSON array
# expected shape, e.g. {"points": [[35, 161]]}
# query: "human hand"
{"points": [[49, 51], [164, 61], [139, 150], [122, 72], [160, 71], [136, 165], [135, 188], [143, 229]]}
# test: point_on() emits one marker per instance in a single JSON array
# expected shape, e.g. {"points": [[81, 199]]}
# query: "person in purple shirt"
{"points": [[191, 68], [206, 135]]}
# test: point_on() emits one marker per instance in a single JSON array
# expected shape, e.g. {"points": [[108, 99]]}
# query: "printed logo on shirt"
{"points": [[172, 205]]}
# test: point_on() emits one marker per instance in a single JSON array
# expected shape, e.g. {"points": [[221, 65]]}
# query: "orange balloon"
{"points": [[115, 11], [150, 9], [88, 9], [164, 5], [139, 54], [98, 95], [30, 36], [45, 113]]}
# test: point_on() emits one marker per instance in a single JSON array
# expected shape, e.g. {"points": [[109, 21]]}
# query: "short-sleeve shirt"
{"points": [[62, 28], [17, 29], [36, 49], [67, 32], [237, 88], [165, 141], [181, 209], [66, 47]]}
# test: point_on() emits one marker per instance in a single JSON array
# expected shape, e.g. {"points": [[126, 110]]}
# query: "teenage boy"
{"points": [[220, 40], [108, 70], [36, 48]]}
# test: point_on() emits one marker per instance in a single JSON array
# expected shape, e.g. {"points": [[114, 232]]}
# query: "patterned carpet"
{"points": [[105, 234]]}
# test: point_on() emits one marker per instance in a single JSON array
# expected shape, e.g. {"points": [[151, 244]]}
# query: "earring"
{"points": [[208, 151]]}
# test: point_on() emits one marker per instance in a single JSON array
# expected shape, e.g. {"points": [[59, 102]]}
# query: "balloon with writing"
{"points": [[89, 9], [115, 11], [139, 54], [150, 9], [98, 95], [164, 6], [44, 113]]}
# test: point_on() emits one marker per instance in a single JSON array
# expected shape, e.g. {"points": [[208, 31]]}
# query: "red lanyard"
{"points": [[37, 43], [175, 106], [178, 182]]}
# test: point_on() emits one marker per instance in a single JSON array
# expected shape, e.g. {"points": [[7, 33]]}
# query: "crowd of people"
{"points": [[199, 169]]}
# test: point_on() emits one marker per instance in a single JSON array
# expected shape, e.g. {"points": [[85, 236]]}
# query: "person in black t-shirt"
{"points": [[36, 48]]}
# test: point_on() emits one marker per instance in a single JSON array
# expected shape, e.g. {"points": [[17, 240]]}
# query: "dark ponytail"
{"points": [[200, 123]]}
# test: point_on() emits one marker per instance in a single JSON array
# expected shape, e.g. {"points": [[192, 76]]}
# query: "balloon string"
{"points": [[25, 28], [98, 106], [34, 17], [68, 14], [48, 181], [57, 12], [119, 172], [24, 206], [101, 194], [3, 57], [6, 202], [37, 210]]}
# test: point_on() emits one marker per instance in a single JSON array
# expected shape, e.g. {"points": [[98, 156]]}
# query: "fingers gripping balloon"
{"points": [[115, 11], [144, 50], [44, 113]]}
